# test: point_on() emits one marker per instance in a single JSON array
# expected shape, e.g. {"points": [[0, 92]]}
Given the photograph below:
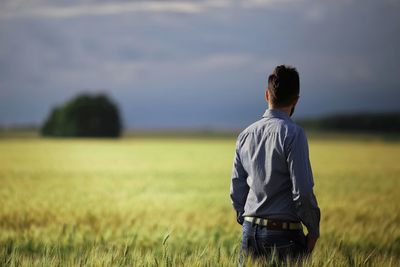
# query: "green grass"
{"points": [[165, 202]]}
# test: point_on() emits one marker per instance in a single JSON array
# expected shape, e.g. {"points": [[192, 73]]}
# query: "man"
{"points": [[272, 181]]}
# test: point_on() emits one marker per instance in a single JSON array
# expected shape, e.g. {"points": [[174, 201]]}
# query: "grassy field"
{"points": [[165, 202]]}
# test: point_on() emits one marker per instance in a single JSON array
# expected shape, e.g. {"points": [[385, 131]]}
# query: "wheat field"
{"points": [[165, 202]]}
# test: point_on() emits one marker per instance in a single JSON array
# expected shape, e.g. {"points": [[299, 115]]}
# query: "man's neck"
{"points": [[283, 109]]}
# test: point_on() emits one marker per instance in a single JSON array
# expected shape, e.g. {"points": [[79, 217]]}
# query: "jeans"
{"points": [[257, 242]]}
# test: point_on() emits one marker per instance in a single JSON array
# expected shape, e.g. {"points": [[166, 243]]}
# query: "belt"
{"points": [[274, 224]]}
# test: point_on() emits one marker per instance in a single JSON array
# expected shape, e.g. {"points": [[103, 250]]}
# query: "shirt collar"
{"points": [[275, 113]]}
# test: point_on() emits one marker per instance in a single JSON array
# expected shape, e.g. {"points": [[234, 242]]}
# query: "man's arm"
{"points": [[302, 186], [239, 187]]}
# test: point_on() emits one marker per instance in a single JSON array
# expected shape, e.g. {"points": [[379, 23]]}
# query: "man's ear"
{"points": [[267, 95]]}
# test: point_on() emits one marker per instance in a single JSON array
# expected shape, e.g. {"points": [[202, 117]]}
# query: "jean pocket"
{"points": [[285, 246], [283, 249]]}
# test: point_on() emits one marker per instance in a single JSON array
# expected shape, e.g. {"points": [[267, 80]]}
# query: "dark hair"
{"points": [[283, 85]]}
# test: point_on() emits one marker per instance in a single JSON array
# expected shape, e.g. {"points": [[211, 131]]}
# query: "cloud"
{"points": [[50, 9], [312, 10], [66, 9], [23, 9], [270, 3], [199, 62]]}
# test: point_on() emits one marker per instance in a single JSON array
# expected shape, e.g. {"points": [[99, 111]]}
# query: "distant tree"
{"points": [[84, 116]]}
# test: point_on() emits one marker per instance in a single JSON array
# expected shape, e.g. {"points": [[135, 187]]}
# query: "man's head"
{"points": [[283, 87]]}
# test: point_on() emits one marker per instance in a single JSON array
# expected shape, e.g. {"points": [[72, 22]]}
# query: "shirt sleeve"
{"points": [[239, 187], [302, 183]]}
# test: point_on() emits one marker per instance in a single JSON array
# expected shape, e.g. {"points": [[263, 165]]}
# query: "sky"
{"points": [[197, 64]]}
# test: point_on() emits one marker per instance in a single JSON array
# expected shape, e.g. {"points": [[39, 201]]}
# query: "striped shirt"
{"points": [[272, 176]]}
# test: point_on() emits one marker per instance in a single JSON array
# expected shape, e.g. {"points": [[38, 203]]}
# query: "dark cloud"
{"points": [[196, 64]]}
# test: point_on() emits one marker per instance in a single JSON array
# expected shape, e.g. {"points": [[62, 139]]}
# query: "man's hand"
{"points": [[239, 217], [311, 241]]}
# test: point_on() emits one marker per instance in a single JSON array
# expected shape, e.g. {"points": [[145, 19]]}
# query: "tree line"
{"points": [[388, 122], [96, 115]]}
